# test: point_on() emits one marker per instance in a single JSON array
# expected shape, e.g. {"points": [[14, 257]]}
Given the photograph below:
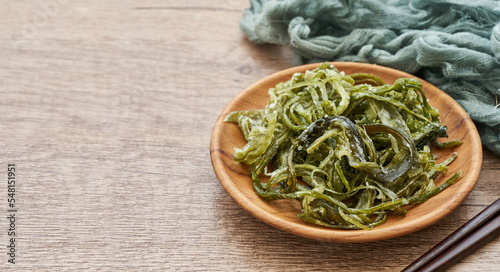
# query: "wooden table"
{"points": [[106, 111]]}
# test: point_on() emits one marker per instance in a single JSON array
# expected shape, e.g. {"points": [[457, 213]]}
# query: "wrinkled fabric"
{"points": [[453, 44]]}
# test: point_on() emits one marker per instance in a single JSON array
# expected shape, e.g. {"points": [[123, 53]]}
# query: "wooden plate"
{"points": [[282, 214]]}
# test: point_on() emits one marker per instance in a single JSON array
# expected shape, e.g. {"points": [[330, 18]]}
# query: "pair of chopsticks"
{"points": [[480, 230]]}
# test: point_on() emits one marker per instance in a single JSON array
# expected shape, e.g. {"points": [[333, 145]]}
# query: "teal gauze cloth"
{"points": [[453, 44]]}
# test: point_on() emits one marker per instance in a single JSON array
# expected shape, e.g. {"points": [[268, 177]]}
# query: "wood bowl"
{"points": [[282, 214]]}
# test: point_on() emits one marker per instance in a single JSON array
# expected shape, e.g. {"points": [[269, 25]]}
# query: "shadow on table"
{"points": [[257, 245]]}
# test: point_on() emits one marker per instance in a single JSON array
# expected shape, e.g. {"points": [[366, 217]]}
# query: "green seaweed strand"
{"points": [[351, 149]]}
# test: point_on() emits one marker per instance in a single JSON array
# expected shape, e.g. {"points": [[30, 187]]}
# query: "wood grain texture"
{"points": [[107, 110]]}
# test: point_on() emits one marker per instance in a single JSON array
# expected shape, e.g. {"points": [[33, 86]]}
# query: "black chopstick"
{"points": [[481, 229]]}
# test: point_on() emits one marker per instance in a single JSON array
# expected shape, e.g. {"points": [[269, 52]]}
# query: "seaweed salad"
{"points": [[350, 148]]}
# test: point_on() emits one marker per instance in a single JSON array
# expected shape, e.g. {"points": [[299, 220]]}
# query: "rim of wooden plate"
{"points": [[282, 214]]}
